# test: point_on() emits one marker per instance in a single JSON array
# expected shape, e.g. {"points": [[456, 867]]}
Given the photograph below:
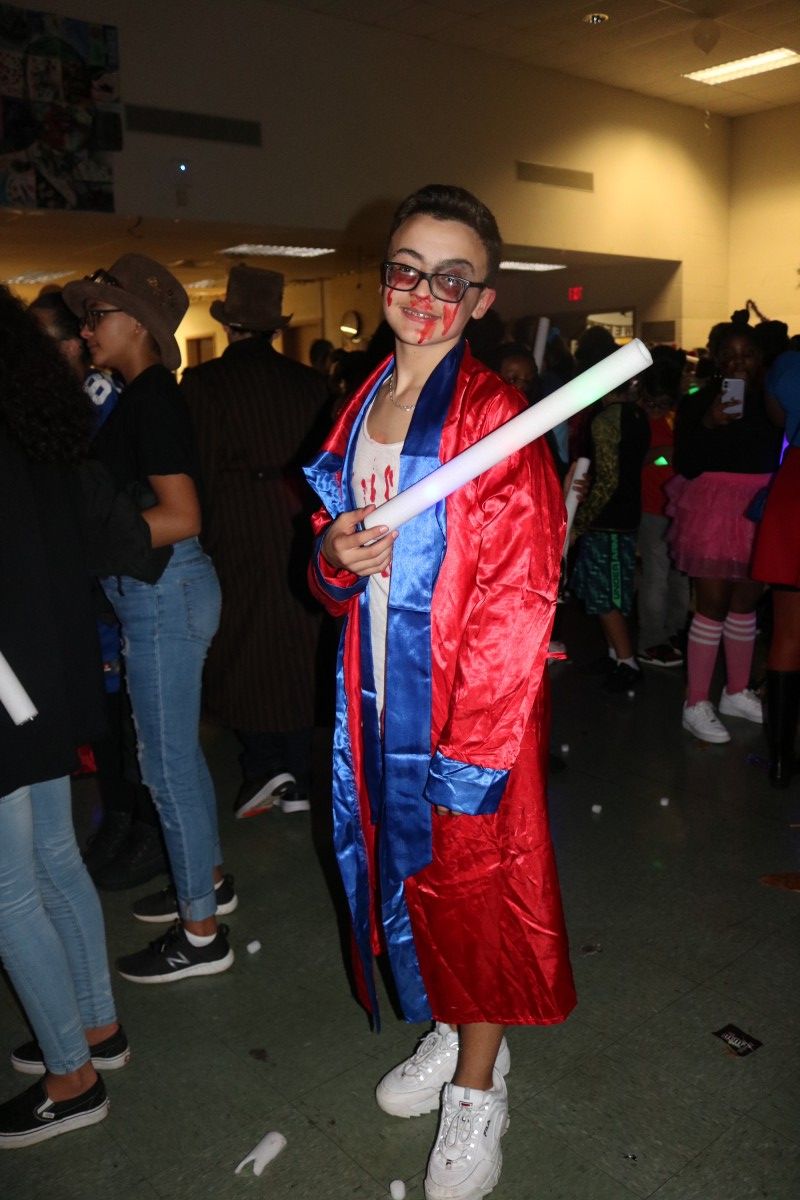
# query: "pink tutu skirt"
{"points": [[709, 536]]}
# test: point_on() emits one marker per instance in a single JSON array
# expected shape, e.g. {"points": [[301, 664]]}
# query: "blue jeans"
{"points": [[167, 629], [52, 940]]}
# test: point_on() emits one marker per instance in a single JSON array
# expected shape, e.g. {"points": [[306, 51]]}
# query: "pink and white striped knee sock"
{"points": [[738, 640], [703, 645]]}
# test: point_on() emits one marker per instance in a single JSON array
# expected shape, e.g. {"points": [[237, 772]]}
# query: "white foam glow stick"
{"points": [[600, 379], [13, 697], [542, 330], [572, 500]]}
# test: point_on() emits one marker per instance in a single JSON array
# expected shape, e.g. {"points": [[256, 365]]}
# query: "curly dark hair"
{"points": [[42, 405]]}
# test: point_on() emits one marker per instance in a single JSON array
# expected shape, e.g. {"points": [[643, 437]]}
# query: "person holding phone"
{"points": [[726, 449]]}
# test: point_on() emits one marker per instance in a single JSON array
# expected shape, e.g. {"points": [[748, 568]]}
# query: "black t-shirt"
{"points": [[149, 433], [749, 446]]}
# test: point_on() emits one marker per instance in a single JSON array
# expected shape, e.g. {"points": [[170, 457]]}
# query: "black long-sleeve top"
{"points": [[749, 446]]}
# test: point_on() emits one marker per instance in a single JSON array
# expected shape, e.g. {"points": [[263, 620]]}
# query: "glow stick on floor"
{"points": [[573, 499], [13, 697], [542, 330], [559, 406]]}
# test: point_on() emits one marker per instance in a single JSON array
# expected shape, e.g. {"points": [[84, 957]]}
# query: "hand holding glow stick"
{"points": [[573, 498], [580, 392], [542, 330], [13, 697]]}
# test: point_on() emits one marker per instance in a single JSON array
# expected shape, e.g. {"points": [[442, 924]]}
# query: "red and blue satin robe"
{"points": [[466, 905]]}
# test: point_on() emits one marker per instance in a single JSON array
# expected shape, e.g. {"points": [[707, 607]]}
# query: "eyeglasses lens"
{"points": [[403, 278]]}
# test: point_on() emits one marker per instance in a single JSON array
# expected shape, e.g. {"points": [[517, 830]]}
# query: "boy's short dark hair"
{"points": [[446, 202]]}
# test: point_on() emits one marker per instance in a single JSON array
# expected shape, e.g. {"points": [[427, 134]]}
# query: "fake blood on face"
{"points": [[448, 316]]}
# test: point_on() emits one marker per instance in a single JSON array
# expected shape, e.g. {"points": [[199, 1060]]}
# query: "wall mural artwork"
{"points": [[59, 111]]}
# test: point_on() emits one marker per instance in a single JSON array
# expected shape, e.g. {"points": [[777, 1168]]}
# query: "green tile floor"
{"points": [[672, 938]]}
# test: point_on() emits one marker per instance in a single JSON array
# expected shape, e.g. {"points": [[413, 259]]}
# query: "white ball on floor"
{"points": [[253, 947], [664, 802], [597, 808], [397, 1189], [631, 695], [565, 747]]}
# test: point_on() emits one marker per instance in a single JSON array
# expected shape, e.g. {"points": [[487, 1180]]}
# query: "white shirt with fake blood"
{"points": [[376, 467]]}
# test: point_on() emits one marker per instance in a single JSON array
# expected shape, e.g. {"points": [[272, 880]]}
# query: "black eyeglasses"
{"points": [[403, 278], [101, 276], [93, 316]]}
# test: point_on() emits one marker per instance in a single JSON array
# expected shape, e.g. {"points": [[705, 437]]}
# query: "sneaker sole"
{"points": [[263, 800], [212, 968], [26, 1067], [713, 739], [164, 918], [18, 1141], [428, 1101]]}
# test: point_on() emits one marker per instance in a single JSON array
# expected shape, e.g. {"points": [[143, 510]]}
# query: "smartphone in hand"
{"points": [[733, 397]]}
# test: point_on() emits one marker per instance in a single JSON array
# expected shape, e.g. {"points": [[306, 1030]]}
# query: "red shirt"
{"points": [[653, 477]]}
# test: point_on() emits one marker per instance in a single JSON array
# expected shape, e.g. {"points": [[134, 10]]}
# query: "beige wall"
{"points": [[765, 214], [342, 145]]}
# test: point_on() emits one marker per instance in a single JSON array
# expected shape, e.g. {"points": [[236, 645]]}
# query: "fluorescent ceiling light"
{"points": [[39, 277], [258, 250], [508, 265], [770, 60], [204, 284]]}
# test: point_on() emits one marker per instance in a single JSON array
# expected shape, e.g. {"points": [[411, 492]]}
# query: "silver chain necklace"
{"points": [[396, 403]]}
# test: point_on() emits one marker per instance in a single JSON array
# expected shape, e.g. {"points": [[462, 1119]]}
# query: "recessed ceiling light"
{"points": [[39, 277], [596, 18], [740, 68], [261, 251], [509, 265]]}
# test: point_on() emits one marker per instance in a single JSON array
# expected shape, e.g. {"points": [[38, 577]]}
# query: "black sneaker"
{"points": [[104, 845], [33, 1117], [108, 1055], [260, 795], [163, 906], [141, 859], [664, 655], [174, 957], [623, 678]]}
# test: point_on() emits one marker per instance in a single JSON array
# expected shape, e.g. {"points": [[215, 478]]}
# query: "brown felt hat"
{"points": [[253, 300], [145, 290]]}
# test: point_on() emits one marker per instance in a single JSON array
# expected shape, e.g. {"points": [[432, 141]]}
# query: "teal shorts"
{"points": [[603, 574]]}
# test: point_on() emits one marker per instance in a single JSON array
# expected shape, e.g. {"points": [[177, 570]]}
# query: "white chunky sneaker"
{"points": [[413, 1087], [742, 704], [701, 720], [466, 1159]]}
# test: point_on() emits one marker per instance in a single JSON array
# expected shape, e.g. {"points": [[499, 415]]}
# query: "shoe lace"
{"points": [[430, 1045], [461, 1128], [170, 936]]}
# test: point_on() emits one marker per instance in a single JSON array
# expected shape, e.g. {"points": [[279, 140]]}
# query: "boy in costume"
{"points": [[441, 744]]}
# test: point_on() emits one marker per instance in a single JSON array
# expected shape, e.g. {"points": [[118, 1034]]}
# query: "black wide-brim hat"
{"points": [[253, 300], [145, 290]]}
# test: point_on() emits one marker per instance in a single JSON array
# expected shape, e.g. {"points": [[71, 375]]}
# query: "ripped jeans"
{"points": [[167, 629]]}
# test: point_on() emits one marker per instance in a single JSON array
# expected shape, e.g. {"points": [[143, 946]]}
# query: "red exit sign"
{"points": [[575, 293]]}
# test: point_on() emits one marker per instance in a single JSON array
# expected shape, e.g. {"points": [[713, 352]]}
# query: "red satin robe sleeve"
{"points": [[497, 589]]}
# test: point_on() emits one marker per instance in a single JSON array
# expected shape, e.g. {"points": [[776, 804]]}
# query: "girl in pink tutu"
{"points": [[725, 453]]}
